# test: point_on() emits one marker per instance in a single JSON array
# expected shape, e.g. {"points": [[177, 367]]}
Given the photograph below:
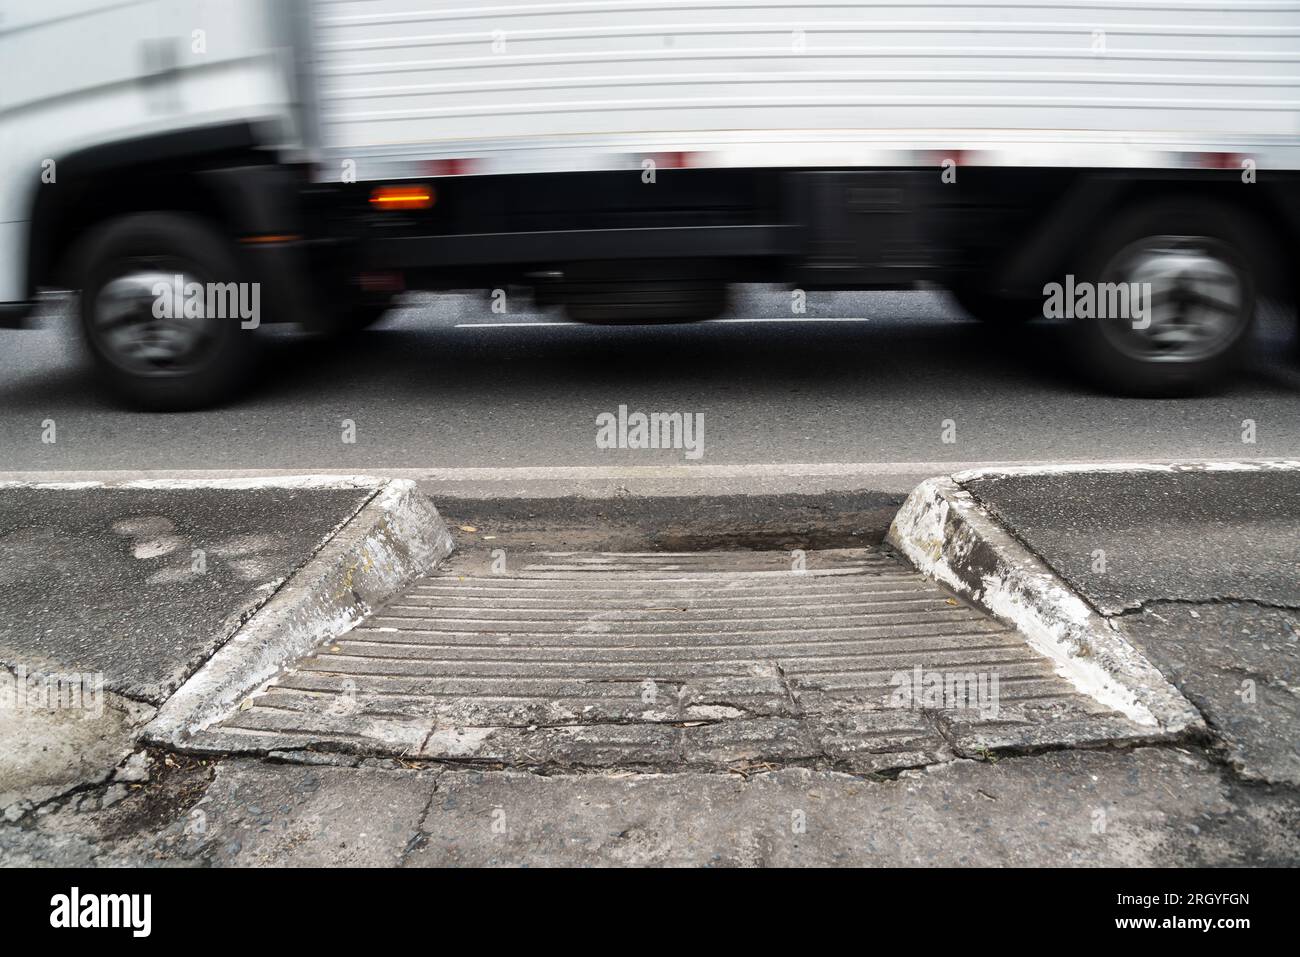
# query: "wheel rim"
{"points": [[127, 331], [1199, 299]]}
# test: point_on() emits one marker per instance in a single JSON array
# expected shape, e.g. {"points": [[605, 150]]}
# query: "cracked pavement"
{"points": [[1200, 571], [1227, 798], [1148, 806]]}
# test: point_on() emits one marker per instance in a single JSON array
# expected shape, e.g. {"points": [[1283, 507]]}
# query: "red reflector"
{"points": [[450, 167], [675, 159], [957, 157], [1220, 160]]}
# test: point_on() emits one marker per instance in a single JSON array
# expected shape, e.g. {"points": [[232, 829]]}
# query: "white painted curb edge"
{"points": [[395, 537], [1076, 468], [950, 537]]}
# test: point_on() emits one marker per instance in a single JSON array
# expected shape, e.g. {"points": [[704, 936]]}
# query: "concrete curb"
{"points": [[396, 536], [950, 537], [613, 481]]}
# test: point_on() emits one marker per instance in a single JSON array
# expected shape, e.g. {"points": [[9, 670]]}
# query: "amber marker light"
{"points": [[401, 197], [271, 238]]}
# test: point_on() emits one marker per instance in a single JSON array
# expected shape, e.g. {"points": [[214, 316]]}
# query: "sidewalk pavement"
{"points": [[142, 584], [1224, 794], [1199, 568], [112, 595]]}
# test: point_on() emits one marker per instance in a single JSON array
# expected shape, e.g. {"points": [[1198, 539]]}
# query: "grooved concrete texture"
{"points": [[666, 660]]}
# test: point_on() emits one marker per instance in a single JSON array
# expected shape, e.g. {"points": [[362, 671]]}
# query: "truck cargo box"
{"points": [[408, 86]]}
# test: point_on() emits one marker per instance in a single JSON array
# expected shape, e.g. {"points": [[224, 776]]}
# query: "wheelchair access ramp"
{"points": [[844, 658]]}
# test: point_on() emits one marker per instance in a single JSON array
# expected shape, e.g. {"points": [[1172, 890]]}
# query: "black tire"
{"points": [[996, 309], [1113, 357], [201, 365]]}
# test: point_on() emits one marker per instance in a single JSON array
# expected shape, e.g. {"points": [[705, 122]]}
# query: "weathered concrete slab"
{"points": [[1240, 665], [661, 661], [294, 816], [233, 814], [50, 747], [1146, 808], [142, 581]]}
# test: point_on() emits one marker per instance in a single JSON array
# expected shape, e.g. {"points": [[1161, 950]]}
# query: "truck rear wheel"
{"points": [[1188, 261], [152, 339]]}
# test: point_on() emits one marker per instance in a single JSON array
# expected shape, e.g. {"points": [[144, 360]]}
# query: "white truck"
{"points": [[628, 159]]}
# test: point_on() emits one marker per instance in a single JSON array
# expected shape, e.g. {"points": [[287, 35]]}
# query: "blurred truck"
{"points": [[629, 159]]}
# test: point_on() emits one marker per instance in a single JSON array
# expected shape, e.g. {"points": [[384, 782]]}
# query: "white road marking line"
{"points": [[805, 319], [510, 325], [522, 325]]}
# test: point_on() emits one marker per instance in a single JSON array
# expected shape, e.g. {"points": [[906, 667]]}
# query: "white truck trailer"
{"points": [[628, 159]]}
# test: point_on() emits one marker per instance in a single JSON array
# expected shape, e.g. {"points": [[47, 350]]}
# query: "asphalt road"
{"points": [[447, 384]]}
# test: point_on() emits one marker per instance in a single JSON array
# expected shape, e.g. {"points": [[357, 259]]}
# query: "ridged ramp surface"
{"points": [[663, 660]]}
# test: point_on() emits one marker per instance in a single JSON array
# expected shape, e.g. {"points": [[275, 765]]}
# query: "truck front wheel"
{"points": [[164, 313], [1191, 294]]}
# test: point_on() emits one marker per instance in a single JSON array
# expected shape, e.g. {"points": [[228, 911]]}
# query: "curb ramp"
{"points": [[708, 660]]}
